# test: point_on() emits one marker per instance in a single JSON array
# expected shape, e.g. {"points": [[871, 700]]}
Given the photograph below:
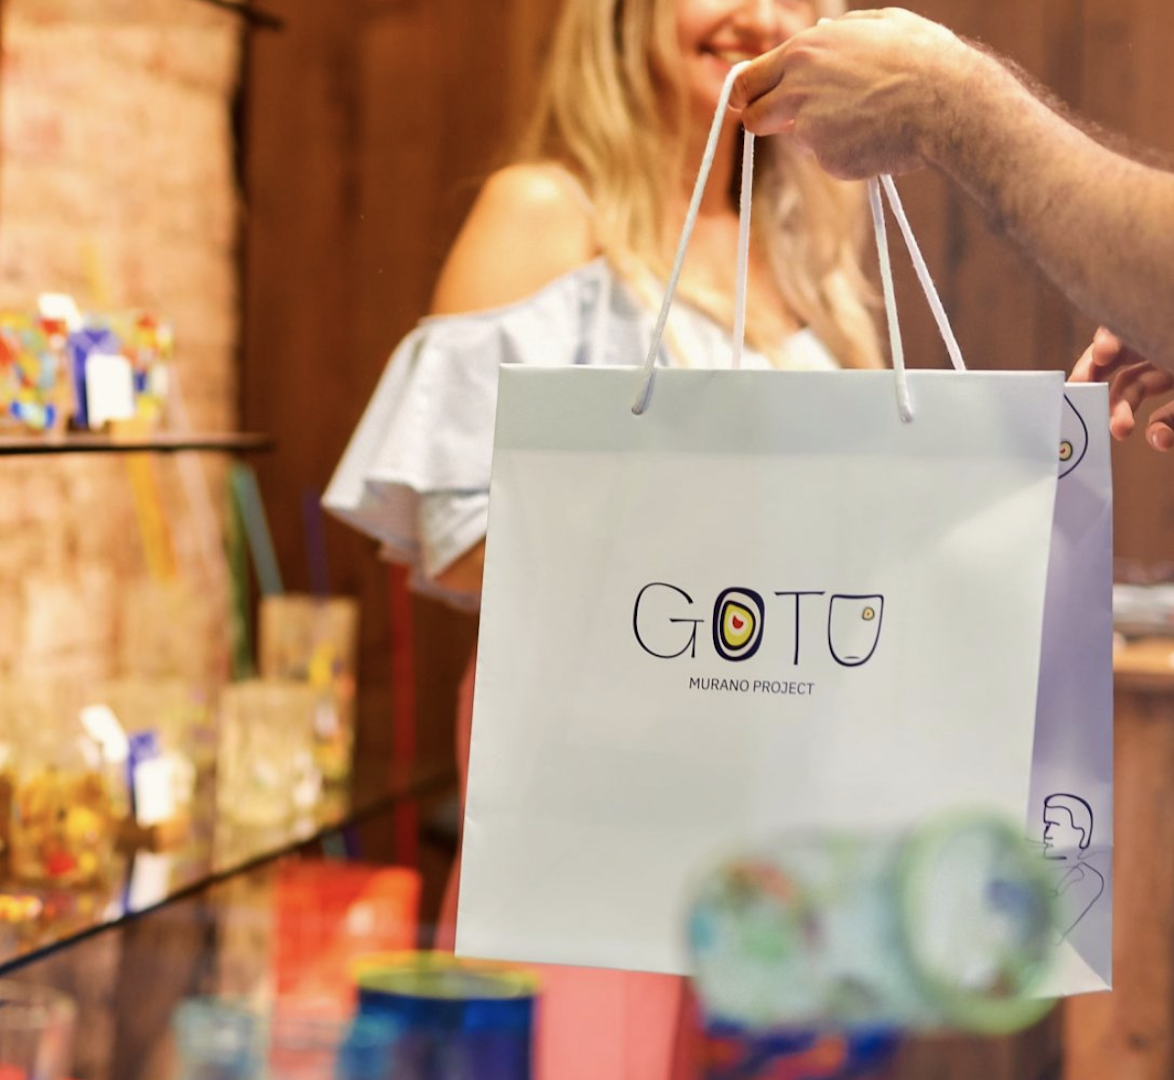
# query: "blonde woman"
{"points": [[562, 261], [600, 187]]}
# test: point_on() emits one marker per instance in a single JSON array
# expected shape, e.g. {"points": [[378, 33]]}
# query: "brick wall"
{"points": [[117, 185]]}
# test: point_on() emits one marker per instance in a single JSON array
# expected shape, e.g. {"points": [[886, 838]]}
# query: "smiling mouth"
{"points": [[731, 56]]}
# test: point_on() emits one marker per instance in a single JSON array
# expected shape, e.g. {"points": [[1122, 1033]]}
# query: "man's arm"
{"points": [[886, 91]]}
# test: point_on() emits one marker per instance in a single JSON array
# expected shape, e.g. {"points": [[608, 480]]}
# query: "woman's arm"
{"points": [[529, 225], [466, 572]]}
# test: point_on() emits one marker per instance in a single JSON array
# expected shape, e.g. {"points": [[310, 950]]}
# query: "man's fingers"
{"points": [[1111, 354], [769, 115], [1083, 372], [1159, 430], [1129, 387], [760, 78], [1136, 383], [1121, 421], [1105, 349]]}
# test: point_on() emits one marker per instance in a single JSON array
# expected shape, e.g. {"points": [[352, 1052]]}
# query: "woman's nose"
{"points": [[771, 20], [762, 12]]}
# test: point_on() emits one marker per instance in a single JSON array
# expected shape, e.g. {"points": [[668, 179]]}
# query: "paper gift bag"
{"points": [[1070, 809], [768, 602], [1070, 805], [753, 601]]}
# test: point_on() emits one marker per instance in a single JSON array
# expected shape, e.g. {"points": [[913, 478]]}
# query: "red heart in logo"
{"points": [[737, 622]]}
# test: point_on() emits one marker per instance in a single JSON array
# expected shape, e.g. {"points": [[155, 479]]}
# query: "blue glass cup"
{"points": [[454, 1018]]}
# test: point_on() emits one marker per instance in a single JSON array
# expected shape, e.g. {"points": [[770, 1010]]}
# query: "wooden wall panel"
{"points": [[1130, 1033], [1108, 61], [368, 126], [300, 183], [298, 295], [1127, 88]]}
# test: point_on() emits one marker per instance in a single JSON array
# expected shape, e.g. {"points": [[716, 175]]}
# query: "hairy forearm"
{"points": [[1100, 225]]}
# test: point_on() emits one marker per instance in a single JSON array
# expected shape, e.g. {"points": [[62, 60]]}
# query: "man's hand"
{"points": [[1132, 380], [858, 91]]}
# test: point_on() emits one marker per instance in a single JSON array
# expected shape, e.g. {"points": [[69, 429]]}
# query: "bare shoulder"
{"points": [[529, 225]]}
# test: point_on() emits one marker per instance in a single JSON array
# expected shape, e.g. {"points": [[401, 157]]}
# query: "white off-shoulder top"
{"points": [[415, 475]]}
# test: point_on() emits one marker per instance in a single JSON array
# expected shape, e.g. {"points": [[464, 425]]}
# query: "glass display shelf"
{"points": [[161, 442], [145, 876]]}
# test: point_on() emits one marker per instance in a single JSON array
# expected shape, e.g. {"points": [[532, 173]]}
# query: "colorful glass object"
{"points": [[456, 1019], [951, 925], [45, 356], [33, 384], [66, 806], [732, 1053]]}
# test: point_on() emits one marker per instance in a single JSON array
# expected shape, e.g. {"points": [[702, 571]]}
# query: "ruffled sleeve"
{"points": [[415, 475]]}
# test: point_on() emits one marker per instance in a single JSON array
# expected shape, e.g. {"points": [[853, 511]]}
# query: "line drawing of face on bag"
{"points": [[1068, 826], [1073, 438], [854, 626]]}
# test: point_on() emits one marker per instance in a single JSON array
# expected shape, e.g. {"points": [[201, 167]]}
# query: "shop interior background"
{"points": [[286, 196]]}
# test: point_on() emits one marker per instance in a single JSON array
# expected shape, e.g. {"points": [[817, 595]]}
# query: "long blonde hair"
{"points": [[600, 111]]}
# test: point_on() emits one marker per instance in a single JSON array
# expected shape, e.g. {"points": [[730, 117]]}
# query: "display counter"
{"points": [[1129, 1034]]}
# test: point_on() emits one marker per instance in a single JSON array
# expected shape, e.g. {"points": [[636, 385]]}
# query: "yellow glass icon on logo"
{"points": [[737, 625], [1065, 450]]}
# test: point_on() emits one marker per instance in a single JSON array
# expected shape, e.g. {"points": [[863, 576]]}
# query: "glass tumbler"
{"points": [[68, 799], [314, 639], [454, 1018], [304, 1039], [36, 1032], [265, 771], [218, 1039]]}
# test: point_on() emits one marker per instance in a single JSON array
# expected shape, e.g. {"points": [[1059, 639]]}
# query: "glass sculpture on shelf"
{"points": [[63, 368]]}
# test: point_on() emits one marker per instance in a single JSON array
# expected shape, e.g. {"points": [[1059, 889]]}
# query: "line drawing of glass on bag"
{"points": [[1068, 828], [854, 626], [1073, 438]]}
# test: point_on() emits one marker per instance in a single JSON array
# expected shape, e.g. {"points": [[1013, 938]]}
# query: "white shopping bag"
{"points": [[1070, 809], [767, 603]]}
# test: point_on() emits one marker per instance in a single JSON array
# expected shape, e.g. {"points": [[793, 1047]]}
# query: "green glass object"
{"points": [[950, 925]]}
